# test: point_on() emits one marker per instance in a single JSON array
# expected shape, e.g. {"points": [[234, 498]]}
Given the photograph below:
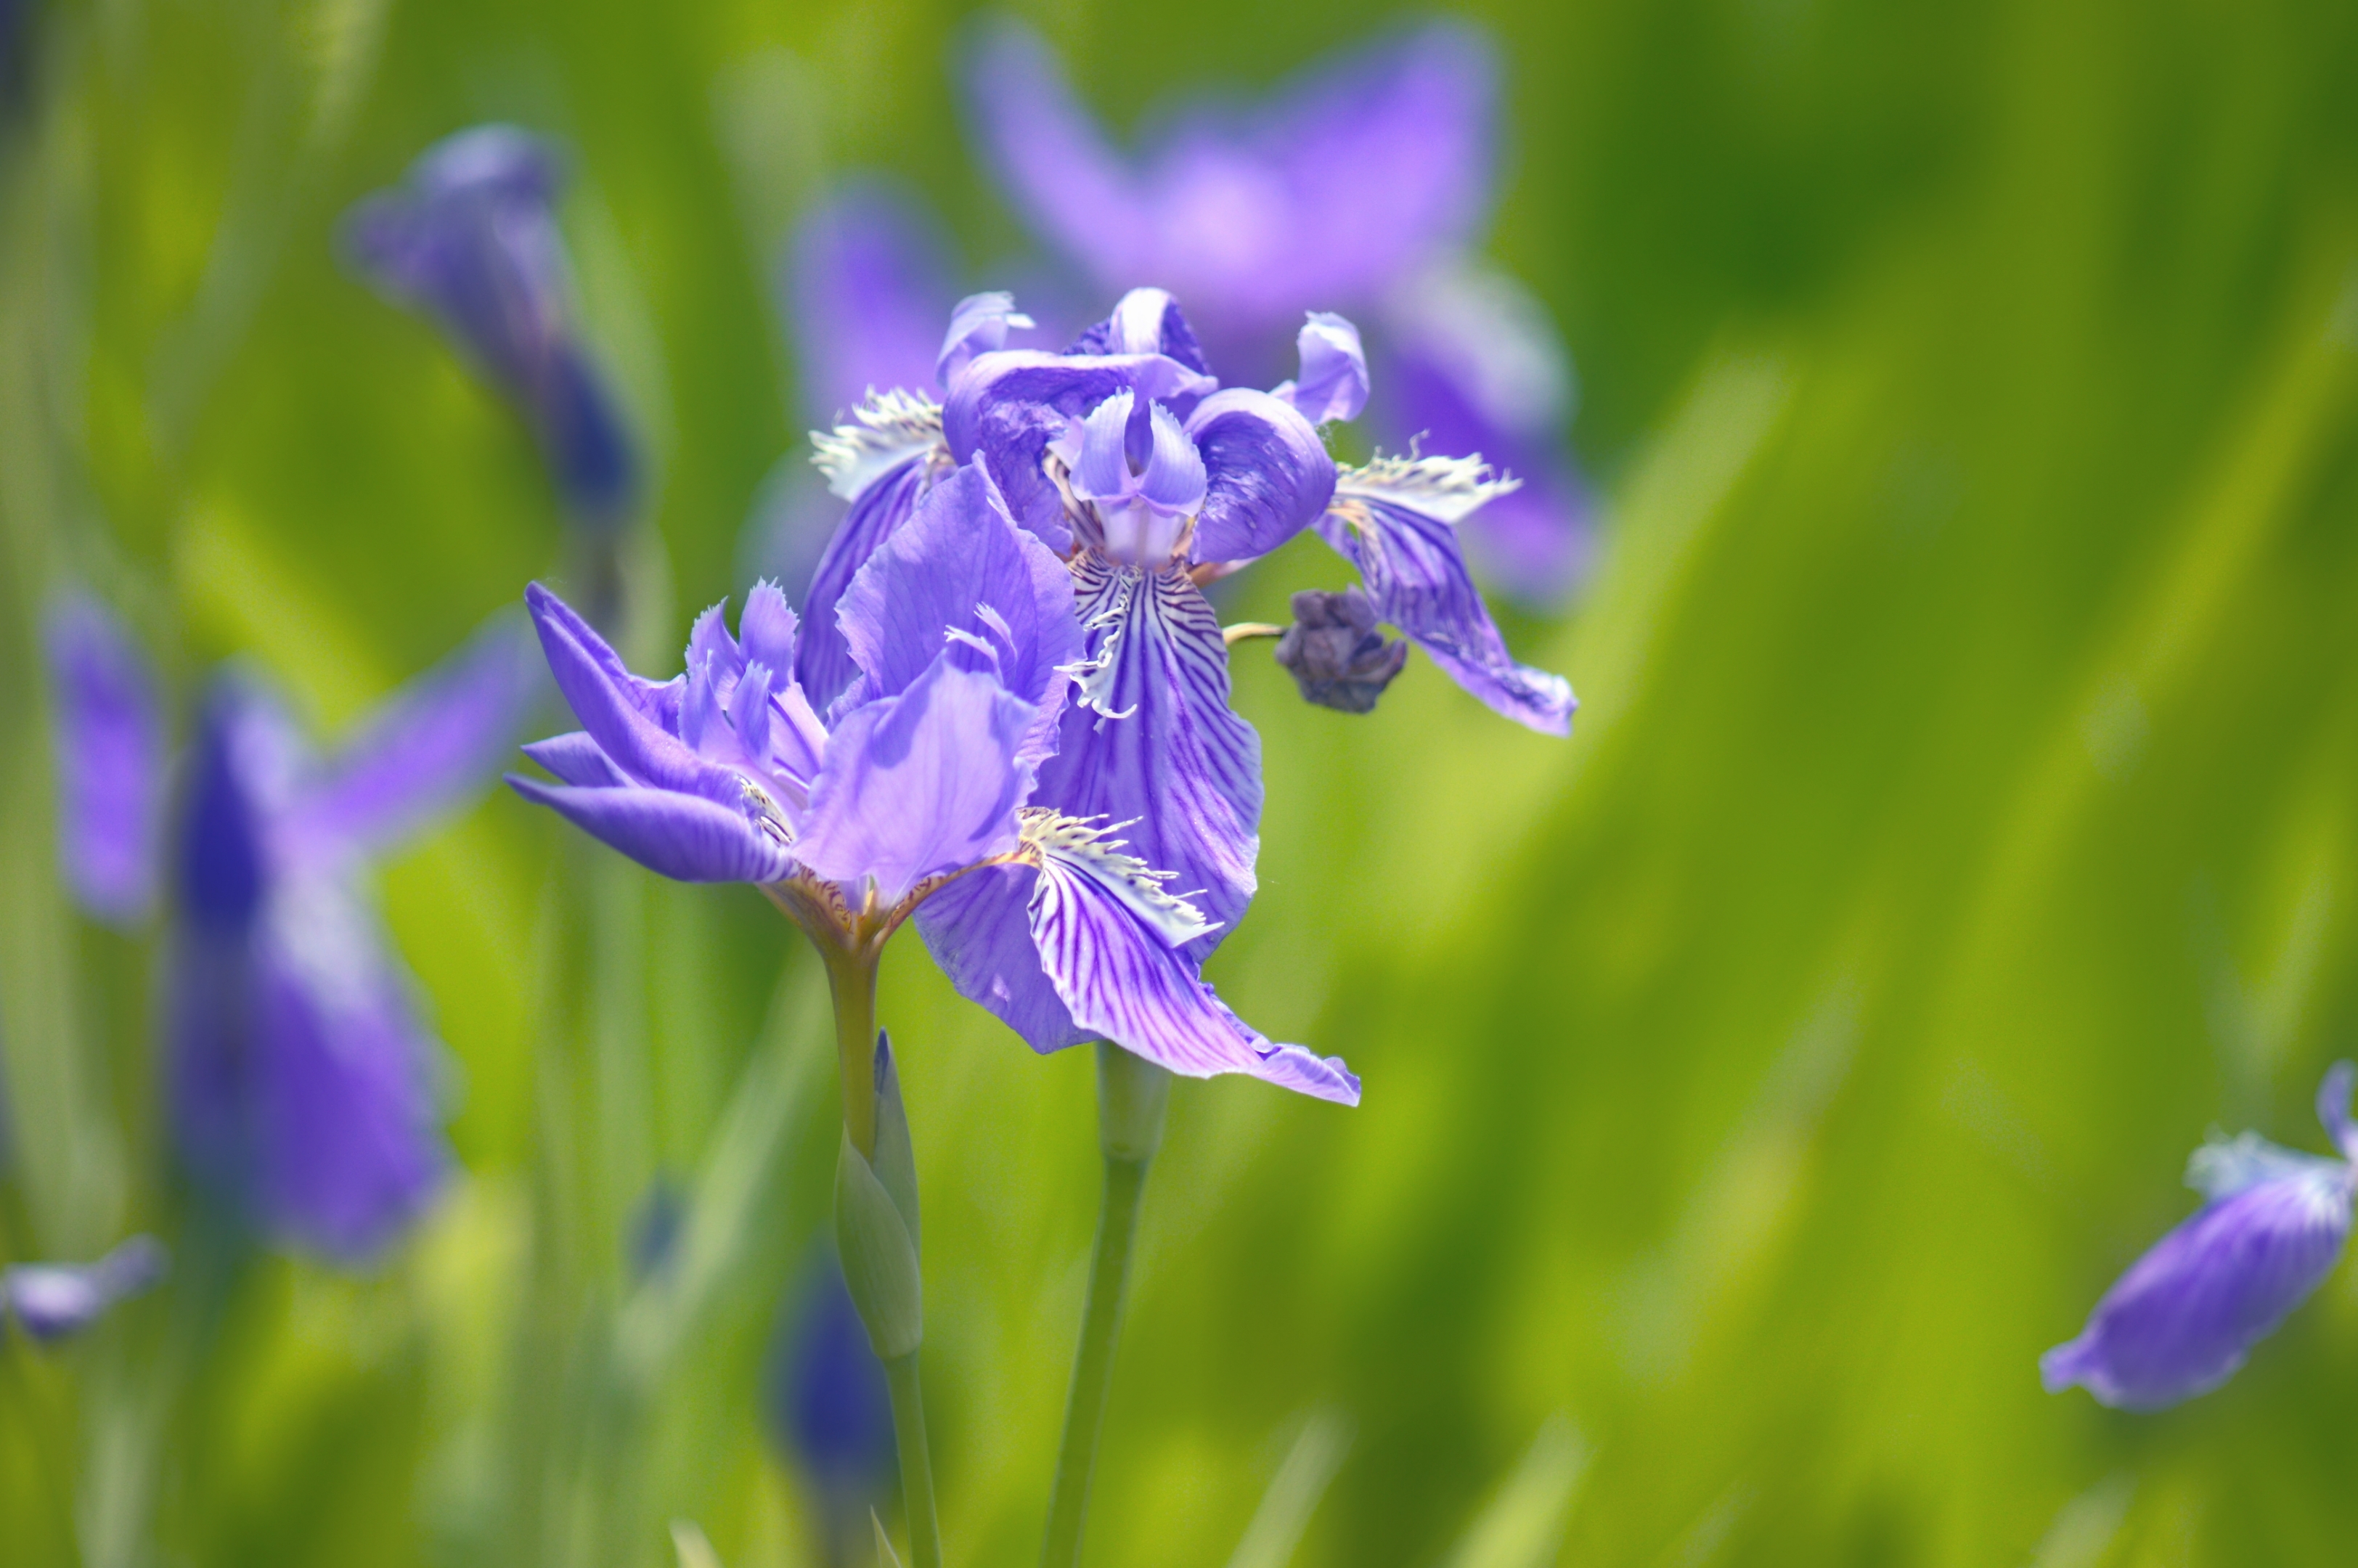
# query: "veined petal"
{"points": [[926, 781], [1009, 407], [1416, 574], [978, 930], [1101, 471], [962, 567], [767, 630], [613, 706], [823, 663], [109, 741], [1333, 379], [432, 744], [1268, 474], [348, 1147], [979, 325], [1122, 980], [1150, 740], [684, 837], [868, 280]]}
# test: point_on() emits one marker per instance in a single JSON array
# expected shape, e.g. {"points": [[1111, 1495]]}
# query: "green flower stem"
{"points": [[1132, 1093], [851, 978], [916, 1464]]}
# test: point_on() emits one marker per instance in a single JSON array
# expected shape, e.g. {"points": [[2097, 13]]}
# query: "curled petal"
{"points": [[1151, 742], [1009, 407], [961, 568], [684, 837], [923, 781], [108, 734], [429, 746], [1333, 379], [1122, 981], [979, 325], [613, 706], [1268, 474], [1101, 471], [977, 929], [2183, 1318], [1416, 574], [823, 663]]}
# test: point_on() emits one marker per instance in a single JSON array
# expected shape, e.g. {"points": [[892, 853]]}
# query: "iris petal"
{"points": [[1267, 475], [110, 761], [685, 836]]}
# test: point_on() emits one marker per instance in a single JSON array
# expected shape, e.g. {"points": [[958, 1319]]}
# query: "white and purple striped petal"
{"points": [[1395, 520], [2187, 1313], [977, 928], [1106, 939], [109, 752], [1149, 740]]}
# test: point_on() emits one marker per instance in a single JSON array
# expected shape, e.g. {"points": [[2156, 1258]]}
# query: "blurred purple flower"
{"points": [[897, 768], [2182, 1319], [56, 1301], [470, 239], [827, 1405], [1359, 186], [299, 1073], [109, 762]]}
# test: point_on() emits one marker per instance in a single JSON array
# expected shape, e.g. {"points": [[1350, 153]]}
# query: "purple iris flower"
{"points": [[109, 754], [300, 1074], [470, 239], [56, 1301], [2182, 1319], [1359, 186], [1125, 459], [827, 1405], [901, 764]]}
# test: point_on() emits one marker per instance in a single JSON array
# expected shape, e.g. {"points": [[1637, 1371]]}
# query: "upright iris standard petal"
{"points": [[1151, 740], [471, 238], [1144, 321], [109, 741], [924, 781], [823, 662], [979, 325], [2187, 1313], [961, 574], [56, 1301], [1394, 521], [1110, 953], [434, 742], [1333, 383], [1269, 476]]}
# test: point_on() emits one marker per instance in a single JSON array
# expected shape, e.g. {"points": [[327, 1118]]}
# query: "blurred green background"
{"points": [[1962, 817]]}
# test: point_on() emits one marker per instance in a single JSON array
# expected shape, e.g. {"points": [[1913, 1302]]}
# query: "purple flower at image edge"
{"points": [[51, 1301], [1359, 186], [469, 238], [109, 761], [827, 1405], [300, 1077], [2181, 1320]]}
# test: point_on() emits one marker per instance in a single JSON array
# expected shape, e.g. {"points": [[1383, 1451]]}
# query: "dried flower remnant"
{"points": [[1336, 655]]}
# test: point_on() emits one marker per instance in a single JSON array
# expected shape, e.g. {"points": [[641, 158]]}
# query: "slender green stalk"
{"points": [[851, 978], [916, 1464], [1131, 1096]]}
